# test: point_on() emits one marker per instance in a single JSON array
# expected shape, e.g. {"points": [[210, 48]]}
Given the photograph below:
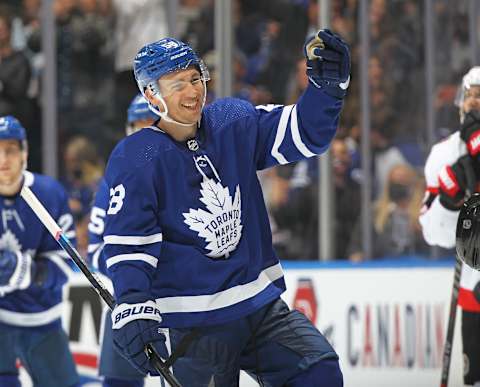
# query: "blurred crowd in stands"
{"points": [[97, 40]]}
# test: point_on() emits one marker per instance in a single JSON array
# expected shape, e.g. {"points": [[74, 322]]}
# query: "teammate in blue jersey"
{"points": [[187, 240], [116, 371], [33, 270]]}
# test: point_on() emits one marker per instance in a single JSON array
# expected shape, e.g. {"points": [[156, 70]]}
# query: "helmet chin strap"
{"points": [[164, 114]]}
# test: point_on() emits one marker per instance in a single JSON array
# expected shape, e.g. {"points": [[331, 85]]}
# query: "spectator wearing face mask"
{"points": [[396, 228]]}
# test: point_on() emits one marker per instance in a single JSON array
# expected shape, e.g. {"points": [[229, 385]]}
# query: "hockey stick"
{"points": [[447, 349], [66, 245]]}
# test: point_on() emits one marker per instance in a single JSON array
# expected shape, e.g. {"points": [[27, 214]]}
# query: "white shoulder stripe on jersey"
{"points": [[297, 139], [132, 240], [31, 319], [151, 260], [281, 129], [232, 296]]}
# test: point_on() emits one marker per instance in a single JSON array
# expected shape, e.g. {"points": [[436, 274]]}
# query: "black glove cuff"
{"points": [[449, 204]]}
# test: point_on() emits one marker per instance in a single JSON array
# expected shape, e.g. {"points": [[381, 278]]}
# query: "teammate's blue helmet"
{"points": [[11, 129], [163, 57], [139, 110]]}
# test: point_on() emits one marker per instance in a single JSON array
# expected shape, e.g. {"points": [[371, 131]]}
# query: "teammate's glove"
{"points": [[328, 63], [136, 323], [16, 271], [455, 182], [470, 133]]}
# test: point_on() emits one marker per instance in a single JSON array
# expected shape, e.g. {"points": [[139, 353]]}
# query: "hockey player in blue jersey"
{"points": [[116, 371], [32, 271], [187, 239]]}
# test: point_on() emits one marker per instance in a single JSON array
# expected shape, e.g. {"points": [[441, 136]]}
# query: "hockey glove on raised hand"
{"points": [[470, 134], [16, 271], [136, 323], [328, 63], [455, 182]]}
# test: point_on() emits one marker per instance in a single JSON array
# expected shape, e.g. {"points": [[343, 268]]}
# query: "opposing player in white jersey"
{"points": [[452, 173], [32, 271], [187, 239], [116, 371]]}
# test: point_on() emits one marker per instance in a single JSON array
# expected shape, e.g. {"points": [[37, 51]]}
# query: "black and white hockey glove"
{"points": [[328, 62], [136, 323], [16, 271], [456, 181]]}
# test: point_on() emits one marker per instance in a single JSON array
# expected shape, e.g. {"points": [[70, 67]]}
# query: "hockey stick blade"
{"points": [[55, 230]]}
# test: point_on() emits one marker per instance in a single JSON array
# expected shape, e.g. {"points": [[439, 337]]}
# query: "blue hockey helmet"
{"points": [[11, 129], [163, 57], [139, 110]]}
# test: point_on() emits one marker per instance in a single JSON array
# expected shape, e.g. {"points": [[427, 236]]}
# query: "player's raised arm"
{"points": [[305, 129]]}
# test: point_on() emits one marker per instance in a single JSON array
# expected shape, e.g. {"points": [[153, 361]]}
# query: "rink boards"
{"points": [[387, 320]]}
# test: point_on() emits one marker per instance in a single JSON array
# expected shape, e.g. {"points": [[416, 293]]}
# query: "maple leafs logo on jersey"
{"points": [[8, 241], [221, 225]]}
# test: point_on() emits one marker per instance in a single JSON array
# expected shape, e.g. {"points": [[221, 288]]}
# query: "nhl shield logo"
{"points": [[192, 144]]}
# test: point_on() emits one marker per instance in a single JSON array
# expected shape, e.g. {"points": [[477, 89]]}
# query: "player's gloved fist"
{"points": [[470, 133], [455, 182], [16, 271], [136, 323], [328, 62]]}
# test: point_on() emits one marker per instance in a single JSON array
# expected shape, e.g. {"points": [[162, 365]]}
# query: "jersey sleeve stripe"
{"points": [[93, 247], [70, 234], [58, 258], [31, 319], [151, 260], [225, 298], [132, 240], [297, 139], [96, 258], [281, 130]]}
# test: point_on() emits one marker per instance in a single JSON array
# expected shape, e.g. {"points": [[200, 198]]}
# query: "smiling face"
{"points": [[184, 93]]}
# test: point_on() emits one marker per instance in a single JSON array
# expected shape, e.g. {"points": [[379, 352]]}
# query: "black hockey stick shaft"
{"points": [[102, 291], [447, 349]]}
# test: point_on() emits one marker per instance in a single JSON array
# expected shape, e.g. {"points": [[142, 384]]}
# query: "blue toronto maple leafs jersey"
{"points": [[186, 221], [21, 230]]}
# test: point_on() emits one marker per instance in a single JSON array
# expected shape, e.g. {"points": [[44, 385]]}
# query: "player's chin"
{"points": [[6, 181], [191, 116]]}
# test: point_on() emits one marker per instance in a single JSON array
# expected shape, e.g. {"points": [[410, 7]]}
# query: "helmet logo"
{"points": [[169, 45], [467, 224], [178, 55], [141, 54], [192, 145]]}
